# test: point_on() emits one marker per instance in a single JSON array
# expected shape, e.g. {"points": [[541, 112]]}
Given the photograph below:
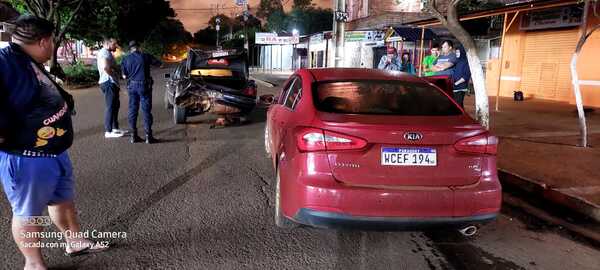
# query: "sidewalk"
{"points": [[538, 152]]}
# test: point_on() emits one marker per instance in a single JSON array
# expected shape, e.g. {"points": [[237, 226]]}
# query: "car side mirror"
{"points": [[167, 76], [267, 100]]}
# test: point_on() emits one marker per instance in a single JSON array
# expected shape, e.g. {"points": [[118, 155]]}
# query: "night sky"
{"points": [[195, 20]]}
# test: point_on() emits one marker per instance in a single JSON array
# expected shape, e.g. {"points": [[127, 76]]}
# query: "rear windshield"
{"points": [[383, 98]]}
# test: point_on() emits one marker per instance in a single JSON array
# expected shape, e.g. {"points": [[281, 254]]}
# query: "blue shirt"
{"points": [[136, 66], [35, 117]]}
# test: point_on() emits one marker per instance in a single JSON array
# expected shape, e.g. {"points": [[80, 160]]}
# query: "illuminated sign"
{"points": [[274, 39]]}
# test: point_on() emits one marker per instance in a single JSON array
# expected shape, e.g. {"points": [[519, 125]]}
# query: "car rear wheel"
{"points": [[280, 220], [167, 102], [179, 114]]}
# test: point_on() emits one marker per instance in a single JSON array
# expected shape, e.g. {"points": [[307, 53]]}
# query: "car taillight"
{"points": [[313, 139], [481, 144], [218, 62], [250, 91]]}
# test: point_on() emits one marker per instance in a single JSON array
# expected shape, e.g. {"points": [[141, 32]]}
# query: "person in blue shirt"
{"points": [[461, 76], [406, 65], [136, 70], [36, 130]]}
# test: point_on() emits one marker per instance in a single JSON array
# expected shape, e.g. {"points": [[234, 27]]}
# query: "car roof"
{"points": [[336, 74]]}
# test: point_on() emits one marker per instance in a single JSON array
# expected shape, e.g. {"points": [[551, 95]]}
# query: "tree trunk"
{"points": [[55, 68], [579, 101], [482, 110]]}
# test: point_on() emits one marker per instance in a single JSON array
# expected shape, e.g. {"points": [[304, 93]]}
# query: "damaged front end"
{"points": [[200, 98], [215, 82]]}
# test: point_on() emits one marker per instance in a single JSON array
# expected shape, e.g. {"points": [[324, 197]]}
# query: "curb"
{"points": [[541, 214], [575, 203], [265, 83]]}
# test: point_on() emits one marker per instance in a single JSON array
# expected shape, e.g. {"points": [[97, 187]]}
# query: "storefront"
{"points": [[538, 49], [359, 49], [276, 52]]}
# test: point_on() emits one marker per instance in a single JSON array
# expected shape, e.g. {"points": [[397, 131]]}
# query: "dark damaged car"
{"points": [[213, 82]]}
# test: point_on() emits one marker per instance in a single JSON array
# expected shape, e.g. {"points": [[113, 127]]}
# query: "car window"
{"points": [[294, 94], [383, 98], [285, 90]]}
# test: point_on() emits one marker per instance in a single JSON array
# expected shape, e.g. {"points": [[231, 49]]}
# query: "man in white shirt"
{"points": [[109, 84]]}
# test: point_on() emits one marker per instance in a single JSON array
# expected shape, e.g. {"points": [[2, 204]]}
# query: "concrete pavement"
{"points": [[204, 199], [538, 152]]}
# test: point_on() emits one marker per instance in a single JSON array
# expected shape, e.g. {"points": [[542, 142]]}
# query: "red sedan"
{"points": [[371, 149]]}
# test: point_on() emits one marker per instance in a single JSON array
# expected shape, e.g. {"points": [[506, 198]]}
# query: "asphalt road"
{"points": [[203, 199]]}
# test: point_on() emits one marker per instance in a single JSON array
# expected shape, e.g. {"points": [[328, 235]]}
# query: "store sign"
{"points": [[274, 39], [552, 18], [364, 36], [407, 5], [316, 39]]}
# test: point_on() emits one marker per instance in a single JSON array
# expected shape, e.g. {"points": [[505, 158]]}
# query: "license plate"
{"points": [[393, 156]]}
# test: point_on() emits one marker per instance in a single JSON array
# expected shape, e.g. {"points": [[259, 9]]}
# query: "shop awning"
{"points": [[410, 34]]}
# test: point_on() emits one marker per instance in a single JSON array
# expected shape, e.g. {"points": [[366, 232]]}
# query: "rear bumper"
{"points": [[323, 219]]}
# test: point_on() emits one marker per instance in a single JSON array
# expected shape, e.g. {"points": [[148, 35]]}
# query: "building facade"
{"points": [[537, 55], [537, 51]]}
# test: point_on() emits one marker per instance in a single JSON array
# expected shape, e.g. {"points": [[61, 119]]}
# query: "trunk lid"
{"points": [[385, 133]]}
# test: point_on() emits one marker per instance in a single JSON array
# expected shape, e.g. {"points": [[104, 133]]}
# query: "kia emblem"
{"points": [[413, 136]]}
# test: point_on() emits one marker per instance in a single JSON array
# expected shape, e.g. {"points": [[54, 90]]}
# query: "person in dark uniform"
{"points": [[136, 70], [35, 120]]}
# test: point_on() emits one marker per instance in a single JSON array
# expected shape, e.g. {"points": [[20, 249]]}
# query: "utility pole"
{"points": [[340, 17], [218, 21], [246, 17]]}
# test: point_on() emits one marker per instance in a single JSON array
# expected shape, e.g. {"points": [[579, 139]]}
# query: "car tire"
{"points": [[267, 139], [280, 220], [179, 114], [168, 104]]}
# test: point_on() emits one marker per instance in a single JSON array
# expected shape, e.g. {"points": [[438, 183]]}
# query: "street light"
{"points": [[295, 32]]}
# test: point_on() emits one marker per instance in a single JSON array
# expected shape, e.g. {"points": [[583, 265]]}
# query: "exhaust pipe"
{"points": [[468, 231]]}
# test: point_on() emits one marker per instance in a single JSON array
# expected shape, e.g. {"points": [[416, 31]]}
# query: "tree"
{"points": [[310, 19], [277, 21], [302, 4], [167, 33], [206, 36], [61, 13], [450, 21], [585, 34], [98, 22], [268, 7]]}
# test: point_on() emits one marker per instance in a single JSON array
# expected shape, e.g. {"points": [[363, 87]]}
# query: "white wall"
{"points": [[277, 57]]}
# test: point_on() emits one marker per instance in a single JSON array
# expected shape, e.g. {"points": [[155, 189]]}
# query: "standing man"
{"points": [[429, 60], [446, 61], [35, 169], [461, 76], [136, 70], [109, 84], [390, 61]]}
